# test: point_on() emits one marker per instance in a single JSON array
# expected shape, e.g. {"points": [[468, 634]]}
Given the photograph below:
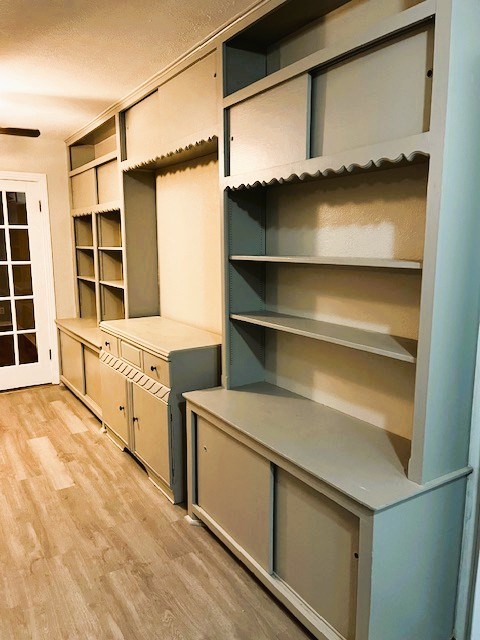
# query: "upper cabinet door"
{"points": [[270, 129], [142, 129], [188, 106]]}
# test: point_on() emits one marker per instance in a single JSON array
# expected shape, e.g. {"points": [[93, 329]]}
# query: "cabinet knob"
{"points": [[107, 344], [120, 408], [153, 368], [135, 419]]}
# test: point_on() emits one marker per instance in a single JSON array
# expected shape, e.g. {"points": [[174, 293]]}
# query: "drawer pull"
{"points": [[121, 408], [153, 368], [135, 419], [107, 344]]}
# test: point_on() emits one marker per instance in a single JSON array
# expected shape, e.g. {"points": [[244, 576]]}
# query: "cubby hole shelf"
{"points": [[375, 263], [95, 148], [108, 157], [116, 284], [86, 278], [360, 460], [380, 344]]}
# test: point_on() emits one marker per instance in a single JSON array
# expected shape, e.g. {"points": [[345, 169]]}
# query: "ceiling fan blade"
{"points": [[13, 131]]}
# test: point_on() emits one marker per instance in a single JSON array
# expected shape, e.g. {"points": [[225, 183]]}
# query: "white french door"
{"points": [[25, 314]]}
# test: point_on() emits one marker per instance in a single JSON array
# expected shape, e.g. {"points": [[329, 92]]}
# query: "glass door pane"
{"points": [[18, 340]]}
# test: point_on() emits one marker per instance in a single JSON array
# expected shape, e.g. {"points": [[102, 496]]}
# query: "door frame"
{"points": [[40, 179]]}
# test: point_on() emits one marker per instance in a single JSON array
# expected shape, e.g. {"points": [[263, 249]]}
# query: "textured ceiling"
{"points": [[62, 62]]}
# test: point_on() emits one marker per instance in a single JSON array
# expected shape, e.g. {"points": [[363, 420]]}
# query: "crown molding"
{"points": [[200, 50]]}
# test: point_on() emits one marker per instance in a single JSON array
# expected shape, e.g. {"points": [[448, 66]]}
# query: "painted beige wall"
{"points": [[48, 156], [189, 244]]}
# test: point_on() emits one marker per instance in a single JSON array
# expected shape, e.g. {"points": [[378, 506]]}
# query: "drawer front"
{"points": [[151, 432], [109, 343], [72, 361], [114, 401], [131, 354], [315, 545], [156, 368], [234, 488]]}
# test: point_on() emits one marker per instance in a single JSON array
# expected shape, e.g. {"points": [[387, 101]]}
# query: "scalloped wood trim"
{"points": [[131, 373], [188, 152], [97, 208], [376, 157]]}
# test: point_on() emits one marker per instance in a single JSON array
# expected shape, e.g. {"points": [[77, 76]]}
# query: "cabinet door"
{"points": [[233, 487], [72, 361], [142, 128], [316, 542], [84, 189], [114, 401], [195, 90], [151, 432], [270, 129], [93, 385]]}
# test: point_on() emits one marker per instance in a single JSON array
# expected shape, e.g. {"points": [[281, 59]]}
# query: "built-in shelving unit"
{"points": [[336, 430]]}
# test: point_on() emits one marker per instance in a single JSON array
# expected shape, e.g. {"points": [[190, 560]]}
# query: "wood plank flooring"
{"points": [[90, 550]]}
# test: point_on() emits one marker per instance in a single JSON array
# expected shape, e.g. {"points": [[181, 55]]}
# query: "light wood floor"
{"points": [[90, 550]]}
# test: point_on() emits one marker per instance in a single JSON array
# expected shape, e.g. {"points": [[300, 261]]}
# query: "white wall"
{"points": [[48, 156], [189, 244]]}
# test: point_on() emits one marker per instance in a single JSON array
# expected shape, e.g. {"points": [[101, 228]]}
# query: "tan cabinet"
{"points": [[151, 440], [72, 361], [114, 402], [234, 488], [79, 343], [158, 359]]}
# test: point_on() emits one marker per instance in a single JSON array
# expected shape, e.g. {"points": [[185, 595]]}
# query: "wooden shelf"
{"points": [[84, 248], [360, 460], [360, 339], [374, 263], [110, 248], [108, 157], [86, 278], [115, 284]]}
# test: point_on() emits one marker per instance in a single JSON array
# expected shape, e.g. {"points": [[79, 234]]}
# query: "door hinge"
{"points": [[40, 205]]}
